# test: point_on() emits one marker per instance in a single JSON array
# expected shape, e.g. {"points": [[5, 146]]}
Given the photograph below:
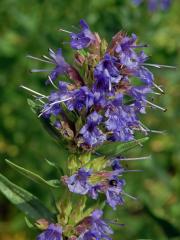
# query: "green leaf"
{"points": [[116, 148], [24, 200], [33, 176]]}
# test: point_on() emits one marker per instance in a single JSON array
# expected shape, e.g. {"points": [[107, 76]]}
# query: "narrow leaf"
{"points": [[24, 200], [116, 148], [33, 176]]}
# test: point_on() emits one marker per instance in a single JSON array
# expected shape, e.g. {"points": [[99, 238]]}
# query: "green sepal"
{"points": [[84, 158], [97, 164], [24, 200], [115, 148], [65, 208], [73, 163], [78, 124], [33, 176], [103, 47], [78, 212]]}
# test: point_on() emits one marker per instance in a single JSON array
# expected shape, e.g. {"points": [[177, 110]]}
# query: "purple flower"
{"points": [[61, 66], [105, 74], [139, 94], [91, 134], [114, 191], [94, 227], [116, 165], [111, 186], [54, 100], [89, 235], [81, 97], [105, 94], [53, 232], [78, 183], [82, 39], [145, 75], [121, 120], [108, 183]]}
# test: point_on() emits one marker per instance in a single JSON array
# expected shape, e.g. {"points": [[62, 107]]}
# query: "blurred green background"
{"points": [[30, 27]]}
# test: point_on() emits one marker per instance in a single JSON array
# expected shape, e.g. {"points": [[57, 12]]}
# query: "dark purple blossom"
{"points": [[91, 134], [53, 232], [54, 100], [84, 38], [105, 95], [145, 75], [61, 66], [95, 227], [105, 74], [139, 94], [81, 97], [56, 58], [116, 165], [121, 120], [74, 99], [125, 50], [114, 191]]}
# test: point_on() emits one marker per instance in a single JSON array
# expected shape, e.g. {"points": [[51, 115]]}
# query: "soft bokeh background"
{"points": [[31, 27]]}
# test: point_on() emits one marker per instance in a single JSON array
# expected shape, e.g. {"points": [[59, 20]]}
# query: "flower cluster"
{"points": [[154, 4], [104, 93], [91, 227], [91, 183], [96, 102]]}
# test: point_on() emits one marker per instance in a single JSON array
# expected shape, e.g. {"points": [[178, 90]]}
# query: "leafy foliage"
{"points": [[24, 200]]}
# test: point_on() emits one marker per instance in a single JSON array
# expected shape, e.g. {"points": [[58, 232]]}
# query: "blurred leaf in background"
{"points": [[30, 27]]}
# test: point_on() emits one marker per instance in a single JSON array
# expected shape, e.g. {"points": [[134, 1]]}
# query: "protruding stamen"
{"points": [[64, 100], [114, 222], [159, 65], [39, 59], [51, 105], [75, 27], [50, 50], [149, 130], [63, 30], [156, 106], [126, 194], [133, 170], [32, 91], [158, 87], [44, 56], [139, 46], [138, 158], [156, 93], [52, 82], [39, 70], [144, 126]]}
